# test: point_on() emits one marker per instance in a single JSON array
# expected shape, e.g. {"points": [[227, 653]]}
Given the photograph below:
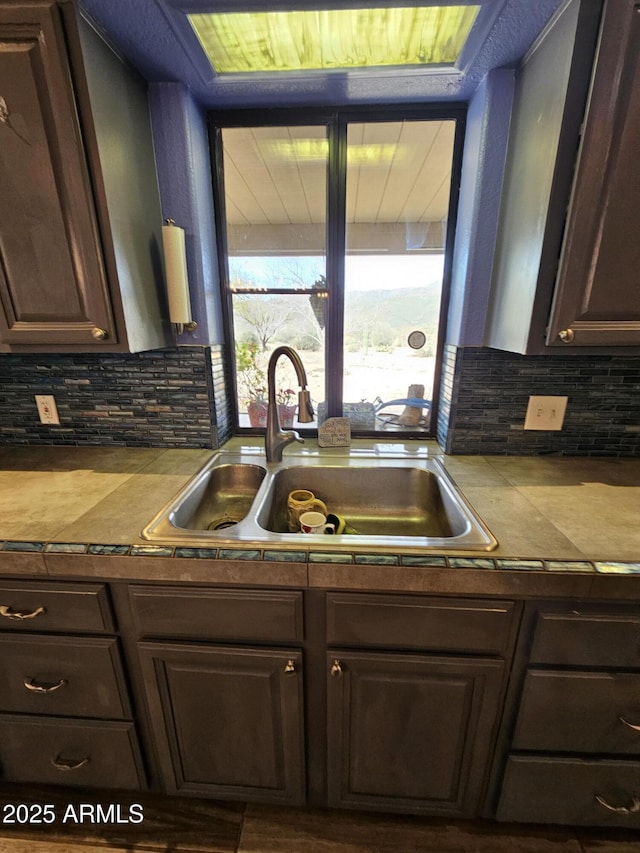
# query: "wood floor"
{"points": [[177, 825]]}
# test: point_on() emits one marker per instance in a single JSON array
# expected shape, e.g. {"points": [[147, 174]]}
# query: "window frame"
{"points": [[336, 119]]}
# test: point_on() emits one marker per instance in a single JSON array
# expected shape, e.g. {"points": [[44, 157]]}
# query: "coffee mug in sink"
{"points": [[315, 522], [299, 501]]}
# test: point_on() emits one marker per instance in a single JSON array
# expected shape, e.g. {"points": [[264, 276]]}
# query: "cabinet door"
{"points": [[53, 287], [409, 733], [597, 299], [228, 721]]}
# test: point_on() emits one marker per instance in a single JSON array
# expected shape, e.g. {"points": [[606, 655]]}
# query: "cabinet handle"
{"points": [[634, 808], [99, 334], [44, 688], [566, 336], [16, 614], [630, 725], [68, 763], [336, 668], [290, 667]]}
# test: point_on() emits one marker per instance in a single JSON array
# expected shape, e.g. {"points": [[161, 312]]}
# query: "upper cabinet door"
{"points": [[597, 298], [53, 287]]}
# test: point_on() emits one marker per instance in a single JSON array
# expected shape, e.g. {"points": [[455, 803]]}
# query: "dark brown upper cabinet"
{"points": [[80, 220], [567, 252]]}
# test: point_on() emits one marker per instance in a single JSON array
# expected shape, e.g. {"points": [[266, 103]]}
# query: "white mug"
{"points": [[315, 522]]}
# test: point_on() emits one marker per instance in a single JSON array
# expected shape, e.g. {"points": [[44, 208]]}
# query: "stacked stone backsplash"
{"points": [[164, 398], [485, 394]]}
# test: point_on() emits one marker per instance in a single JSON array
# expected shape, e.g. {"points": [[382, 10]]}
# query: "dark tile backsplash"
{"points": [[180, 398], [164, 398], [485, 394]]}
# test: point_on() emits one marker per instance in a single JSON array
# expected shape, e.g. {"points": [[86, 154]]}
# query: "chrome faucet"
{"points": [[276, 439]]}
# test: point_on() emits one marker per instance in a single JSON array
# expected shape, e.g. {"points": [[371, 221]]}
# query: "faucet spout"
{"points": [[276, 439]]}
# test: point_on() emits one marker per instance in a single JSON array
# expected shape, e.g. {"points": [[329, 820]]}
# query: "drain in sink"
{"points": [[222, 522]]}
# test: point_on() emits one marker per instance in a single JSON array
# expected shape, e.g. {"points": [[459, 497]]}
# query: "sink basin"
{"points": [[377, 501], [392, 503], [220, 497]]}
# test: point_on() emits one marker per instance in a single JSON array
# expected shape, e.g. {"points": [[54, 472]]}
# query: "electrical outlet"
{"points": [[545, 413], [47, 409]]}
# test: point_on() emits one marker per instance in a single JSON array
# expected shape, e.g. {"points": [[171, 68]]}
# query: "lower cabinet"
{"points": [[574, 750], [228, 721], [65, 713], [409, 733]]}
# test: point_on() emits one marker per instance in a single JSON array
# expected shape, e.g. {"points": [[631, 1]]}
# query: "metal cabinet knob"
{"points": [[8, 613], [336, 668], [99, 334], [290, 667], [629, 725], [68, 763], [44, 688], [566, 336], [632, 808]]}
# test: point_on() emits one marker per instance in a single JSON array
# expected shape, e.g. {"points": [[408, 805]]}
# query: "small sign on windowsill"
{"points": [[335, 432]]}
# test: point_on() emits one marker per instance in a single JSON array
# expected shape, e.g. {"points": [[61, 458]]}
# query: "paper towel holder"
{"points": [[176, 277]]}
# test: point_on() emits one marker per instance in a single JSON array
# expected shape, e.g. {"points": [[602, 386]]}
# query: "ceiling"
{"points": [[398, 179], [152, 35]]}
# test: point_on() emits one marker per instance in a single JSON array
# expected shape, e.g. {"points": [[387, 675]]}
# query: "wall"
{"points": [[485, 394], [166, 398]]}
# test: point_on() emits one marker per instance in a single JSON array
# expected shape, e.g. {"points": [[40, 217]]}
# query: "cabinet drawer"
{"points": [[69, 676], [587, 638], [411, 622], [70, 752], [215, 614], [37, 606], [572, 792], [579, 712]]}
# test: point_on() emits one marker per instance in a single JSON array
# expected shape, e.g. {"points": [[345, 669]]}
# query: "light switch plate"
{"points": [[47, 409], [545, 413]]}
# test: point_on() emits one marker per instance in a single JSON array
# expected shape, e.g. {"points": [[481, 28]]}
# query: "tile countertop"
{"points": [[575, 513]]}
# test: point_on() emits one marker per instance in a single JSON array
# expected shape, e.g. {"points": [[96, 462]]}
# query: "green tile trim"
{"points": [[285, 556], [326, 557], [377, 559], [238, 554], [569, 566], [521, 565], [197, 553], [151, 551], [426, 561], [470, 563], [108, 550], [616, 568], [24, 546], [65, 548]]}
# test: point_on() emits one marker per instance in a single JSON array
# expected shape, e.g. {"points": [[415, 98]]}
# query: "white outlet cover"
{"points": [[545, 413]]}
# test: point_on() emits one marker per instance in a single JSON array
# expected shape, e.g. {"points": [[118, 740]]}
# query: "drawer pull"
{"points": [[68, 763], [634, 808], [630, 725], [44, 688], [15, 614]]}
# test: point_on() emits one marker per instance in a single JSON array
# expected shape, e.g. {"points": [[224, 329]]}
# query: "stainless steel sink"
{"points": [[378, 501], [392, 503]]}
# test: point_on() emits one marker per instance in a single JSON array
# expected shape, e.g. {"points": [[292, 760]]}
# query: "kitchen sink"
{"points": [[376, 501], [390, 503]]}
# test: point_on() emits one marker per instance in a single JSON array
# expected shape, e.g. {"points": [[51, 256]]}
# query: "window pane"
{"points": [[398, 178], [263, 322], [275, 181]]}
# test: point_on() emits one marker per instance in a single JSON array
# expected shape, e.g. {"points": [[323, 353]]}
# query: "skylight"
{"points": [[240, 42]]}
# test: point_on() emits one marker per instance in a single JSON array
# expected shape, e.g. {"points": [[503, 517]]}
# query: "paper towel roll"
{"points": [[175, 263]]}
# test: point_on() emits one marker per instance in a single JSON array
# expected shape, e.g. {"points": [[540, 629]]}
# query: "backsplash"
{"points": [[485, 394], [164, 398]]}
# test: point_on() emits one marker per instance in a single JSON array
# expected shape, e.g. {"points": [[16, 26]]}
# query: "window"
{"points": [[336, 233]]}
